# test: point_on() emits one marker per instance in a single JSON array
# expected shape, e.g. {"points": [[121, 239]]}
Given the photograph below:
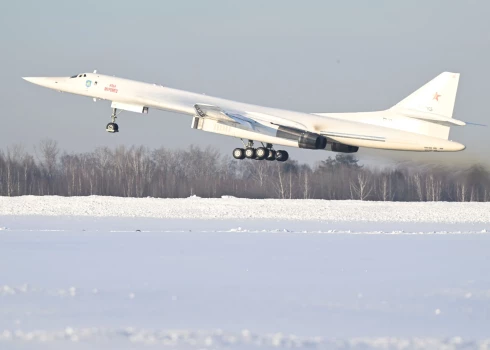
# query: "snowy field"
{"points": [[114, 273], [237, 208]]}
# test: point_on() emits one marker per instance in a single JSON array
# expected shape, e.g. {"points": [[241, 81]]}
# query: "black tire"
{"points": [[112, 127], [250, 152], [239, 153], [282, 156], [271, 156], [261, 153]]}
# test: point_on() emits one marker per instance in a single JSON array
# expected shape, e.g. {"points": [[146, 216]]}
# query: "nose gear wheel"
{"points": [[112, 127]]}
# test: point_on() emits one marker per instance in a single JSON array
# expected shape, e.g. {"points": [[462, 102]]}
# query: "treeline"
{"points": [[162, 172]]}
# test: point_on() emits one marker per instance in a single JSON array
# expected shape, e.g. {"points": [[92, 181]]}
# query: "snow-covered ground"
{"points": [[112, 273], [239, 208]]}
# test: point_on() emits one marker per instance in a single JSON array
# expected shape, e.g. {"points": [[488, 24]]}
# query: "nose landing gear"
{"points": [[112, 127]]}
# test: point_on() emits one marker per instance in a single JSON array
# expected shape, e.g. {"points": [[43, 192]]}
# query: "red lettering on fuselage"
{"points": [[111, 88]]}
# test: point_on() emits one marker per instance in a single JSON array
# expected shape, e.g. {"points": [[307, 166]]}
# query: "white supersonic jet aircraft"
{"points": [[420, 122]]}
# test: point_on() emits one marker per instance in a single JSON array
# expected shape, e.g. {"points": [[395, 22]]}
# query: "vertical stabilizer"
{"points": [[437, 96]]}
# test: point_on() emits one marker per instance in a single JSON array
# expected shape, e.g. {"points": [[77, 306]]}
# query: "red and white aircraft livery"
{"points": [[420, 122]]}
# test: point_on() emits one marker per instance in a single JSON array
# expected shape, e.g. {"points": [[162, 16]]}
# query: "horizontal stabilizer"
{"points": [[430, 117], [475, 124]]}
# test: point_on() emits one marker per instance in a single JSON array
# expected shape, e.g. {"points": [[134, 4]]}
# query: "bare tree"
{"points": [[361, 187], [48, 150]]}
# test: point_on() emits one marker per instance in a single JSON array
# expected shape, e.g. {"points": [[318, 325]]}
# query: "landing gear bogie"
{"points": [[260, 153]]}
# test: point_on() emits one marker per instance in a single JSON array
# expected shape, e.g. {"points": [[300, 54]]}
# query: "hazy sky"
{"points": [[311, 56]]}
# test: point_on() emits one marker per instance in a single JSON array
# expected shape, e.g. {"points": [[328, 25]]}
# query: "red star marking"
{"points": [[436, 97]]}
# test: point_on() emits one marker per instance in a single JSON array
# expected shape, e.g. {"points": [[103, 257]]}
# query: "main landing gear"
{"points": [[112, 127], [260, 153]]}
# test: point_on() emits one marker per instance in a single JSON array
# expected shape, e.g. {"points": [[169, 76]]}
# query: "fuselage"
{"points": [[346, 128]]}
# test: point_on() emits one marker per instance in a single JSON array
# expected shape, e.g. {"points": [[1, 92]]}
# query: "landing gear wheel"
{"points": [[250, 153], [271, 156], [282, 156], [261, 153], [112, 128], [238, 153]]}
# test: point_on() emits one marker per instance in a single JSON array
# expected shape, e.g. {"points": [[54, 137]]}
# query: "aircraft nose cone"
{"points": [[43, 81], [456, 146], [32, 79], [461, 147]]}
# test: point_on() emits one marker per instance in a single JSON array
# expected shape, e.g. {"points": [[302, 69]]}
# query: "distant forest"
{"points": [[142, 172]]}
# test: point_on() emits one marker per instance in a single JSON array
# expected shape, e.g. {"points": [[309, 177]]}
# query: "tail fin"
{"points": [[433, 105], [437, 96]]}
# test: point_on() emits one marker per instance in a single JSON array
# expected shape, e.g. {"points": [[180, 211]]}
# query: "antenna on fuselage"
{"points": [[95, 71]]}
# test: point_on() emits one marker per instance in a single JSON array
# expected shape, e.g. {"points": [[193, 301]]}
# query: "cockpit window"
{"points": [[78, 76]]}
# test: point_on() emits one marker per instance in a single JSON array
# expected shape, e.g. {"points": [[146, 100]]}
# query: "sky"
{"points": [[309, 56]]}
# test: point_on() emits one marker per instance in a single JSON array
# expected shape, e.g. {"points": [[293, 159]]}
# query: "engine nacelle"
{"points": [[312, 141], [340, 147], [305, 139]]}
